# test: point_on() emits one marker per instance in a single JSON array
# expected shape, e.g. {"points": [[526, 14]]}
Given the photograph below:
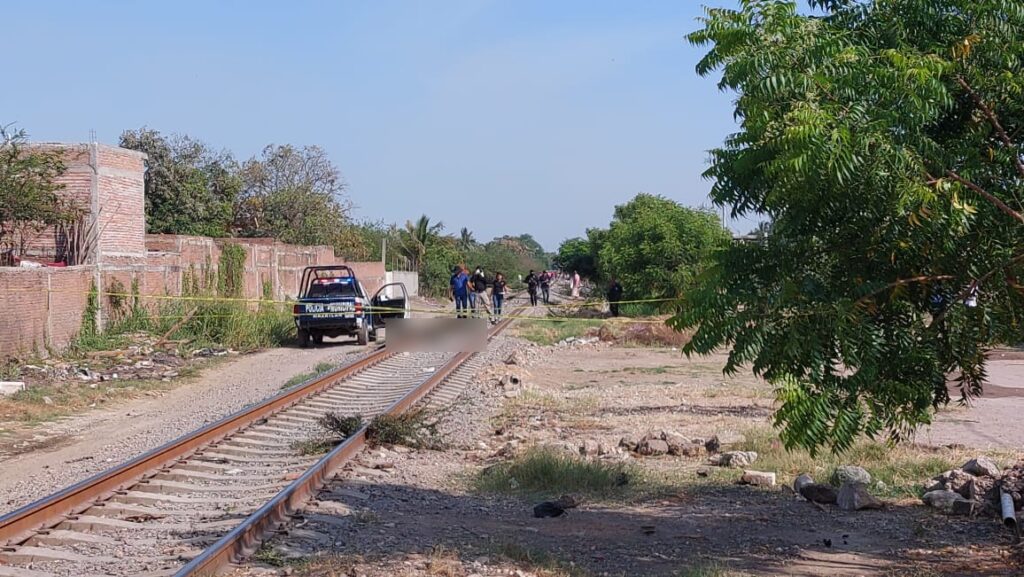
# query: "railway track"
{"points": [[209, 498]]}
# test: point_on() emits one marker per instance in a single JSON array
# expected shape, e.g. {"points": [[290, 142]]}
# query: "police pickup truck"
{"points": [[332, 302]]}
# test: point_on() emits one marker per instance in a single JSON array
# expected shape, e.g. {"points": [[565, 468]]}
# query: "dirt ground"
{"points": [[39, 458], [415, 513]]}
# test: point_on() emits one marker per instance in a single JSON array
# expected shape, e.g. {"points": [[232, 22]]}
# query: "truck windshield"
{"points": [[332, 290]]}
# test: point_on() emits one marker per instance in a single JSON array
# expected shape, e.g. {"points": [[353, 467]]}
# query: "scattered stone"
{"points": [[736, 459], [590, 448], [758, 478], [8, 388], [332, 508], [713, 445], [517, 357], [982, 467], [958, 481], [676, 442], [850, 474], [555, 508], [855, 497], [652, 447], [703, 472], [47, 401], [819, 493], [629, 442], [942, 499], [692, 450], [802, 481]]}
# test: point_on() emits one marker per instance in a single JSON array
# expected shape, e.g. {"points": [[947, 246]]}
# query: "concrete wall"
{"points": [[411, 280]]}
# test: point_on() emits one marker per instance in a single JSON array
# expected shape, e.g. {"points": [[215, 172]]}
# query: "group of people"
{"points": [[540, 281], [470, 292]]}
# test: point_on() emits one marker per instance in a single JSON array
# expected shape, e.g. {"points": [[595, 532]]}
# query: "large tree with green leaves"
{"points": [[190, 188], [655, 246], [296, 195], [884, 141]]}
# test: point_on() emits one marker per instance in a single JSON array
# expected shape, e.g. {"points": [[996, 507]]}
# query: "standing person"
{"points": [[460, 291], [532, 282], [478, 296], [614, 296], [498, 290], [575, 284], [545, 286]]}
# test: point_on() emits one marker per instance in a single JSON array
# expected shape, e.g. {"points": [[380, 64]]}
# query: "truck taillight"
{"points": [[359, 308], [296, 310]]}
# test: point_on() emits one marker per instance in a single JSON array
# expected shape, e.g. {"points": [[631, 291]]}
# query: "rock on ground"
{"points": [[737, 459], [855, 496], [758, 478], [850, 474], [982, 467]]}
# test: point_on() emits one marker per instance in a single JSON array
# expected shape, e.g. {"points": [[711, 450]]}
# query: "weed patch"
{"points": [[416, 428], [300, 378], [341, 426], [544, 332], [540, 562], [547, 471]]}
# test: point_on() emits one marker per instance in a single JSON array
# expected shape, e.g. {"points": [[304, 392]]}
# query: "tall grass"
{"points": [[228, 324]]}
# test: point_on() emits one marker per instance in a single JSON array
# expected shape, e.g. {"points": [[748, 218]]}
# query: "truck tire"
{"points": [[363, 336], [318, 338], [303, 338]]}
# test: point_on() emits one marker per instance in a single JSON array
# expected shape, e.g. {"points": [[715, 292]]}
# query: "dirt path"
{"points": [[74, 448]]}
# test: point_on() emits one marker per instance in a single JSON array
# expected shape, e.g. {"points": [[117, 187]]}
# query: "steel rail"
{"points": [[246, 537], [20, 524]]}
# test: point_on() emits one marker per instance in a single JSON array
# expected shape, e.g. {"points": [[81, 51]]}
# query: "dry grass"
{"points": [[31, 407]]}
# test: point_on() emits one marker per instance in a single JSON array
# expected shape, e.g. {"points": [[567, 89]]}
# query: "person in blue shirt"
{"points": [[460, 291]]}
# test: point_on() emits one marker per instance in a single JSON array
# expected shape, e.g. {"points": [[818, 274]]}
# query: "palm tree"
{"points": [[466, 240], [416, 236]]}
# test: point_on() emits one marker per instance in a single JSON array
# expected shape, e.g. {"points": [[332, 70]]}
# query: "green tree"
{"points": [[884, 142], [655, 246], [190, 189], [575, 254], [466, 240], [29, 200], [296, 195], [415, 237]]}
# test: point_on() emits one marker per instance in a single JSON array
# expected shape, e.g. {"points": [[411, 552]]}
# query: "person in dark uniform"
{"points": [[614, 296], [532, 282]]}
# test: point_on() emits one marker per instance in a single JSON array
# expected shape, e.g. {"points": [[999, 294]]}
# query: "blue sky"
{"points": [[504, 116]]}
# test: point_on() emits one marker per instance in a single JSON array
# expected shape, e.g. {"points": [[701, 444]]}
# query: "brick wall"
{"points": [[44, 307]]}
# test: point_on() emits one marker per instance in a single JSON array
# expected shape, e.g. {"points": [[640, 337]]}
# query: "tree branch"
{"points": [[989, 197], [905, 281], [994, 121]]}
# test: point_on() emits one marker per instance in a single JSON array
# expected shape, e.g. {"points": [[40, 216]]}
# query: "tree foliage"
{"points": [[655, 246], [883, 141], [575, 254], [190, 188], [293, 194], [29, 200]]}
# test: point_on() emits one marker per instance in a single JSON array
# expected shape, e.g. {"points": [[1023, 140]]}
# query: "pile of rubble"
{"points": [[663, 443], [145, 359], [973, 489], [578, 341], [847, 489]]}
